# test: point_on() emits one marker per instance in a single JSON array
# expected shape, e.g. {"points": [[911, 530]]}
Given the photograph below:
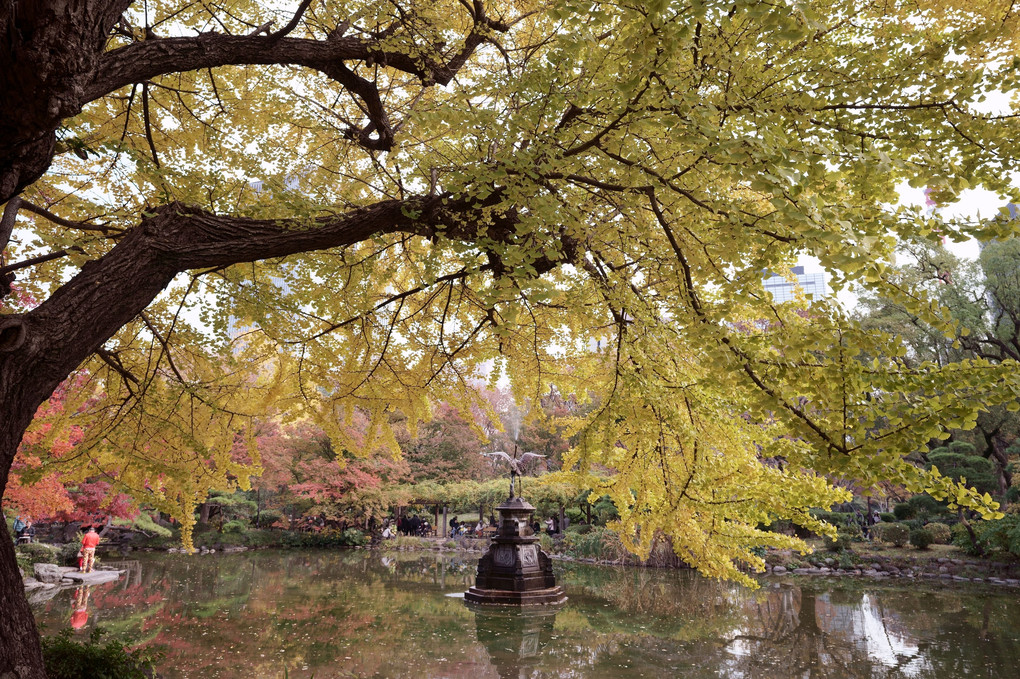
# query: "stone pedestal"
{"points": [[515, 571]]}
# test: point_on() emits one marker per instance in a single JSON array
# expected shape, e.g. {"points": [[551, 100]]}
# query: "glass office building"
{"points": [[785, 290]]}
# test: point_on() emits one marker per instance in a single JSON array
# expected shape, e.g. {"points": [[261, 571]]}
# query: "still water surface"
{"points": [[367, 614]]}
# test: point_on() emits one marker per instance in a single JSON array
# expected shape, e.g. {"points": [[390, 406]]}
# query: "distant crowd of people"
{"points": [[414, 525], [418, 526]]}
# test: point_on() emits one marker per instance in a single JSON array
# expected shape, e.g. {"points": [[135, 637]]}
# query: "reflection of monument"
{"points": [[515, 571], [514, 639]]}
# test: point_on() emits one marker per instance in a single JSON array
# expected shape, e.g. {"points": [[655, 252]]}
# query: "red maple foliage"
{"points": [[38, 488]]}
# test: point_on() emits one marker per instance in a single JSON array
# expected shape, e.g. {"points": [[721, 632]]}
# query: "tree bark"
{"points": [[998, 453], [20, 653], [203, 513], [978, 548], [50, 51]]}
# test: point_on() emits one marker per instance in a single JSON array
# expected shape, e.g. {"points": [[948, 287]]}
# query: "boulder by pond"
{"points": [[49, 572], [52, 574]]}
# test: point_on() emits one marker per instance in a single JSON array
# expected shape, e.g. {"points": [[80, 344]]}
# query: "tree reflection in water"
{"points": [[889, 633], [366, 614]]}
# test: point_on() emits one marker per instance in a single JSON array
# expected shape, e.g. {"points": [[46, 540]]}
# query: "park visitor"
{"points": [[88, 548]]}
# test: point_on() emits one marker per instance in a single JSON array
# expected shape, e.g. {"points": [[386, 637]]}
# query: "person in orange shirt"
{"points": [[88, 549]]}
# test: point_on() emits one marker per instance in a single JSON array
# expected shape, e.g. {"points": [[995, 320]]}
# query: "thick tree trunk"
{"points": [[50, 51], [998, 455], [203, 513], [20, 654]]}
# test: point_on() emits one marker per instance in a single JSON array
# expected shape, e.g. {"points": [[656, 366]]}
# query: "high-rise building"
{"points": [[784, 290]]}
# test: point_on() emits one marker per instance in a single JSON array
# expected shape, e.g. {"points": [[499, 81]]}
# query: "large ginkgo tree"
{"points": [[215, 211]]}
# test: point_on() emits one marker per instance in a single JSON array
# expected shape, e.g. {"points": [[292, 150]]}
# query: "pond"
{"points": [[370, 614]]}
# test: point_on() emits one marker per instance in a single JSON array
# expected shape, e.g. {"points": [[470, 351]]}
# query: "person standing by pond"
{"points": [[89, 542]]}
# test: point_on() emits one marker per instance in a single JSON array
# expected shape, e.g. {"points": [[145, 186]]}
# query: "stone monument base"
{"points": [[501, 597], [515, 571]]}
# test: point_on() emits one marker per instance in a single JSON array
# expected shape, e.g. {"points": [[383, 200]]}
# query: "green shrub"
{"points": [[888, 517], [235, 526], [961, 539], [598, 543], [848, 559], [903, 511], [545, 541], [68, 554], [267, 517], [407, 542], [354, 537], [940, 533], [835, 518], [957, 460], [844, 537], [143, 522], [604, 510], [37, 552], [351, 537], [66, 658], [926, 504], [896, 533], [921, 538], [914, 524], [841, 543], [253, 537], [1001, 535]]}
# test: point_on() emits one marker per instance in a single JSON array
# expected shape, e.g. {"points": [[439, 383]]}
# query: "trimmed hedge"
{"points": [[843, 541], [351, 537], [837, 519], [941, 534], [903, 511], [920, 538], [896, 533]]}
